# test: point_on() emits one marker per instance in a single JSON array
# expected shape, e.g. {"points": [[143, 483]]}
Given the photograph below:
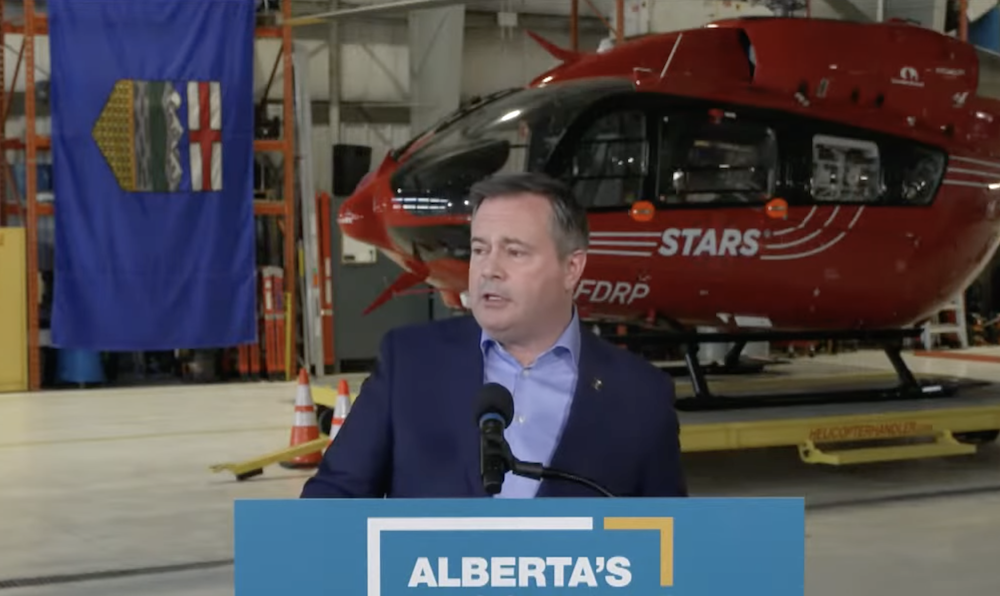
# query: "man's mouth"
{"points": [[493, 298]]}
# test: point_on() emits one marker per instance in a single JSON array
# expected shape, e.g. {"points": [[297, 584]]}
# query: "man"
{"points": [[581, 405]]}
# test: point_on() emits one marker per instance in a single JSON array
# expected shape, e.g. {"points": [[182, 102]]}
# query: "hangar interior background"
{"points": [[113, 484]]}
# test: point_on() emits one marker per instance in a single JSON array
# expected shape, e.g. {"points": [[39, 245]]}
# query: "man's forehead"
{"points": [[524, 206], [501, 238], [509, 199]]}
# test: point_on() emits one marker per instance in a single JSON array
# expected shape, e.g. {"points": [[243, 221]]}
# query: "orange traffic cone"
{"points": [[340, 409], [305, 427]]}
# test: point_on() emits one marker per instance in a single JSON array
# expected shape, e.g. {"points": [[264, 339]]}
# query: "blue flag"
{"points": [[152, 141]]}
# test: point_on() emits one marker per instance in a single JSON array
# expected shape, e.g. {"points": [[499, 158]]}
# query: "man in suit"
{"points": [[582, 405]]}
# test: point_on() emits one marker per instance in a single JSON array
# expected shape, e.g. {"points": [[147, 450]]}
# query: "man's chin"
{"points": [[493, 320]]}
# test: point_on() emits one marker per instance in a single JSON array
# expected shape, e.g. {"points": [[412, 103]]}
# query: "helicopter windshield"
{"points": [[513, 133]]}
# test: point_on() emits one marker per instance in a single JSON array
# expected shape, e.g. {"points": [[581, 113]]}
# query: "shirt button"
{"points": [[524, 373], [520, 419]]}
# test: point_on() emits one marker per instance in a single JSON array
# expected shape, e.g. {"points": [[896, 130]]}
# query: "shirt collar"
{"points": [[569, 341]]}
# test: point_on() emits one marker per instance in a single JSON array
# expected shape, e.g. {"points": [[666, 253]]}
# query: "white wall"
{"points": [[673, 15], [498, 59]]}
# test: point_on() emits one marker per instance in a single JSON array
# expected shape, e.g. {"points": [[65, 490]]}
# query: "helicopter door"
{"points": [[716, 158], [608, 162]]}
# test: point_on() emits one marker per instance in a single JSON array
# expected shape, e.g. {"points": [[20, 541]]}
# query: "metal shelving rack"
{"points": [[36, 24]]}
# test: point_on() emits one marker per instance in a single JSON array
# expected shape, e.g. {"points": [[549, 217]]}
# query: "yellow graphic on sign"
{"points": [[665, 525]]}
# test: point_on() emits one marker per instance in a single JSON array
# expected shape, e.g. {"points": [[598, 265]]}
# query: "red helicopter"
{"points": [[772, 178]]}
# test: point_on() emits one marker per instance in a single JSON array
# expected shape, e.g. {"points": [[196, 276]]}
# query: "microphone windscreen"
{"points": [[495, 399]]}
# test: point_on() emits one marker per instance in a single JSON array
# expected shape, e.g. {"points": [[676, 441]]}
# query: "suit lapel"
{"points": [[573, 450], [465, 381]]}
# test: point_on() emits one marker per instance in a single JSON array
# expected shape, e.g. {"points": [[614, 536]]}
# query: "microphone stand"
{"points": [[537, 471]]}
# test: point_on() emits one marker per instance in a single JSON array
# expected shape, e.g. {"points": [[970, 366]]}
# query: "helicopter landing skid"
{"points": [[907, 386], [741, 367]]}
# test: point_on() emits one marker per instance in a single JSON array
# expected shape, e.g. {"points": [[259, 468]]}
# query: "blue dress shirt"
{"points": [[543, 392]]}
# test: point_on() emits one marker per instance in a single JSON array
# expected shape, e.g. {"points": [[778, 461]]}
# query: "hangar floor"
{"points": [[108, 492]]}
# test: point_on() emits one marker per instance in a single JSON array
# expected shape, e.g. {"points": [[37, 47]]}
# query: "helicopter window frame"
{"points": [[910, 173], [680, 124], [563, 160], [838, 164]]}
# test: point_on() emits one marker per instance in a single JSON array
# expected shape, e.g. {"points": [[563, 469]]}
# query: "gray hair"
{"points": [[570, 228]]}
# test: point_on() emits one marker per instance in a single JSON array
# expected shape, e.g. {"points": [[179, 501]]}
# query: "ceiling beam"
{"points": [[368, 10]]}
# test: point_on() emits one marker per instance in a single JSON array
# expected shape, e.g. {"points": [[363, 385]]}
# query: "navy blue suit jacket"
{"points": [[412, 430]]}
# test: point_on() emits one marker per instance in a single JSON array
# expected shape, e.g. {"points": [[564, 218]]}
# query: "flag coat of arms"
{"points": [[139, 133], [152, 148]]}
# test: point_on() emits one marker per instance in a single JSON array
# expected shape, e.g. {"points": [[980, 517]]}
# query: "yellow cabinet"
{"points": [[13, 310]]}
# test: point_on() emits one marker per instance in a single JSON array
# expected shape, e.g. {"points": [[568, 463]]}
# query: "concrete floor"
{"points": [[96, 481]]}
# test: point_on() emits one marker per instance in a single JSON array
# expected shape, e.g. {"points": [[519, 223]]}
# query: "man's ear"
{"points": [[575, 264]]}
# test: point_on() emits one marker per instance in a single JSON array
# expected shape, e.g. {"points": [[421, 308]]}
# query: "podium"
{"points": [[514, 547]]}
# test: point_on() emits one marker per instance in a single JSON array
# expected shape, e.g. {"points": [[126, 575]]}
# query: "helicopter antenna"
{"points": [[670, 58], [784, 8]]}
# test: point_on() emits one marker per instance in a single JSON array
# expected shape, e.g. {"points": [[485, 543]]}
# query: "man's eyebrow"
{"points": [[505, 240]]}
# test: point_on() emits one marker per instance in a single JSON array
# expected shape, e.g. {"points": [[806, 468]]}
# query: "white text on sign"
{"points": [[697, 242], [522, 572], [621, 292]]}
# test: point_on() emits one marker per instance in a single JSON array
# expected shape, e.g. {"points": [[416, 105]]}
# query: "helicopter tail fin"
{"points": [[405, 281], [558, 53]]}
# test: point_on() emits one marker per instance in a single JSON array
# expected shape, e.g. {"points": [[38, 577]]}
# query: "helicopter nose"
{"points": [[358, 220]]}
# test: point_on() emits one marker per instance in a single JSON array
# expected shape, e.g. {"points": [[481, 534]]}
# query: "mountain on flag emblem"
{"points": [[140, 132]]}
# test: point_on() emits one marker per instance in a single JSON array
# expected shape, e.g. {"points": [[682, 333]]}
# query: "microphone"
{"points": [[495, 412], [496, 409]]}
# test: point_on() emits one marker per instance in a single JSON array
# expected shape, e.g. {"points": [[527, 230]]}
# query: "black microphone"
{"points": [[495, 412], [496, 409]]}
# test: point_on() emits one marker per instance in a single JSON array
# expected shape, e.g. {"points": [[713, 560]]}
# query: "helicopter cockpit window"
{"points": [[720, 160], [846, 170], [515, 132], [610, 160]]}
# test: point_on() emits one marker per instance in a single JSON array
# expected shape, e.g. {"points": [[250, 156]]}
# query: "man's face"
{"points": [[518, 285]]}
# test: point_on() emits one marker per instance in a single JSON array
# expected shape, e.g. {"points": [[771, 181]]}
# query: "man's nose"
{"points": [[492, 267]]}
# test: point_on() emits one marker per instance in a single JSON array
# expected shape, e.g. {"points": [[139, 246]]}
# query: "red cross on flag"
{"points": [[205, 134]]}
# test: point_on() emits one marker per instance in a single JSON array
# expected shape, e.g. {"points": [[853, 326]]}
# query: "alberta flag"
{"points": [[152, 150]]}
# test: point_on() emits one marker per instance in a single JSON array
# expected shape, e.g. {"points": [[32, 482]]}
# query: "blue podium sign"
{"points": [[515, 547]]}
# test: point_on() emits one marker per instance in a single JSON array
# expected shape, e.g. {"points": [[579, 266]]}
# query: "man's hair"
{"points": [[569, 221]]}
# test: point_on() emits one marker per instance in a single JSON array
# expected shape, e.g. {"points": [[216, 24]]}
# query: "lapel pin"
{"points": [[597, 384]]}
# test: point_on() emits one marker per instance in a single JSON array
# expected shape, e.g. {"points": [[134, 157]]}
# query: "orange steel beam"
{"points": [[30, 188], [288, 136], [600, 16], [44, 143], [574, 25], [619, 21], [3, 123], [261, 208], [963, 20]]}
